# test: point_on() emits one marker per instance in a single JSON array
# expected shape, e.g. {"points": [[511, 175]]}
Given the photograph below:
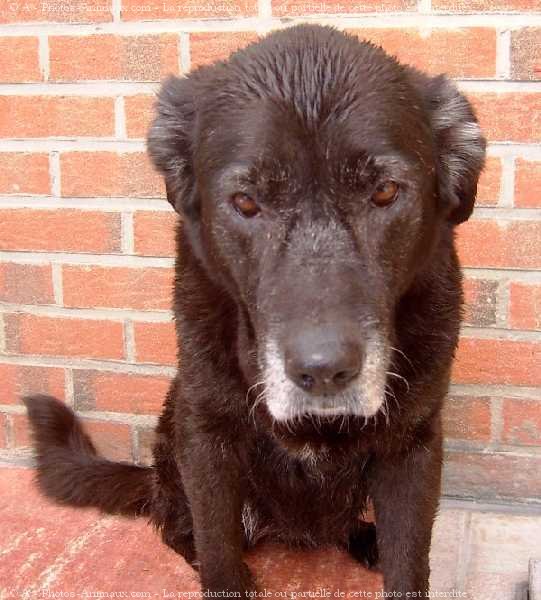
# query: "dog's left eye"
{"points": [[245, 205], [385, 194]]}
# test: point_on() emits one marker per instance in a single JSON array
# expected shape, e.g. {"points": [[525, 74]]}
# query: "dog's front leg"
{"points": [[405, 490], [212, 480]]}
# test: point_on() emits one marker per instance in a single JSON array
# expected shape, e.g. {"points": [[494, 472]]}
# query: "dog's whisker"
{"points": [[389, 391], [260, 397], [401, 378], [404, 355], [253, 387], [385, 410]]}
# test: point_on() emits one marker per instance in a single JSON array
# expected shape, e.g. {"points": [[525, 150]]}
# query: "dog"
{"points": [[318, 302]]}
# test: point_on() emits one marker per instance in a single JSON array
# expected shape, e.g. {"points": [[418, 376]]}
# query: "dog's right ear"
{"points": [[460, 144], [170, 142]]}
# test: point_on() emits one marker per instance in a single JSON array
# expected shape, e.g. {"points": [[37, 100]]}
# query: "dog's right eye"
{"points": [[245, 205], [385, 194]]}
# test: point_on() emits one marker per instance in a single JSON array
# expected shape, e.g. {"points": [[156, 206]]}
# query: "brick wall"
{"points": [[86, 236]]}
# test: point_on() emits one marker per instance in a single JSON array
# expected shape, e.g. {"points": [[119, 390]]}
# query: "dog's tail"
{"points": [[71, 472]]}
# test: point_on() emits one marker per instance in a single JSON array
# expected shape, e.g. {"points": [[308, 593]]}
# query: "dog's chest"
{"points": [[303, 502]]}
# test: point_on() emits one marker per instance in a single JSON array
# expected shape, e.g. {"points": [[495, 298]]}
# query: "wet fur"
{"points": [[225, 474]]}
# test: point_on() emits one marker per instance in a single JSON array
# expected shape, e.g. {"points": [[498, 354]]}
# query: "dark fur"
{"points": [[307, 111]]}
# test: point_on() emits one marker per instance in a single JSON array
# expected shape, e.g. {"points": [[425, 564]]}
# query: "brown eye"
{"points": [[245, 205], [385, 194]]}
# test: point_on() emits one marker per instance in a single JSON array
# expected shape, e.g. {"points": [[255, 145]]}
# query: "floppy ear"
{"points": [[460, 145], [170, 141]]}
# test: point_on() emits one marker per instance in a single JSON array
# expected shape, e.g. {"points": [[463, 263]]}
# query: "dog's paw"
{"points": [[248, 582], [183, 545], [363, 546]]}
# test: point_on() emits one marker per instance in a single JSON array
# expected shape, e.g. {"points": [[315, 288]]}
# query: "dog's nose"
{"points": [[322, 360]]}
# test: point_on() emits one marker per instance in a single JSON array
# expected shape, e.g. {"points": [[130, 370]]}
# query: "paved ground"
{"points": [[51, 552]]}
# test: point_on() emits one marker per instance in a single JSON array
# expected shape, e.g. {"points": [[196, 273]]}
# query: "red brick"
{"points": [[525, 306], [61, 230], [143, 288], [3, 430], [56, 11], [51, 336], [294, 8], [139, 111], [155, 343], [468, 52], [55, 116], [527, 183], [24, 173], [119, 392], [515, 244], [96, 57], [112, 440], [20, 380], [154, 233], [485, 5], [26, 284], [480, 302], [88, 174], [207, 47], [521, 422], [493, 361], [526, 53], [488, 189], [467, 418], [20, 432], [134, 10], [492, 476], [509, 116], [23, 60]]}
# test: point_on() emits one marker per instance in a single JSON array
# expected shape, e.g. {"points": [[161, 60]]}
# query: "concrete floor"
{"points": [[51, 552]]}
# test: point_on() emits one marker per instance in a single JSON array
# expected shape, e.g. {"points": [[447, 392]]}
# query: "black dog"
{"points": [[317, 300]]}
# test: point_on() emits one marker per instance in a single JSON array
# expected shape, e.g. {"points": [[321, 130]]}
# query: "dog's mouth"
{"points": [[329, 411]]}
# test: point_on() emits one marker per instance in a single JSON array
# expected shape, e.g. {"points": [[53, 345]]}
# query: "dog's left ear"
{"points": [[460, 145]]}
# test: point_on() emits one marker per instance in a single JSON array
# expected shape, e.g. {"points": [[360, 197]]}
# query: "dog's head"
{"points": [[315, 176]]}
